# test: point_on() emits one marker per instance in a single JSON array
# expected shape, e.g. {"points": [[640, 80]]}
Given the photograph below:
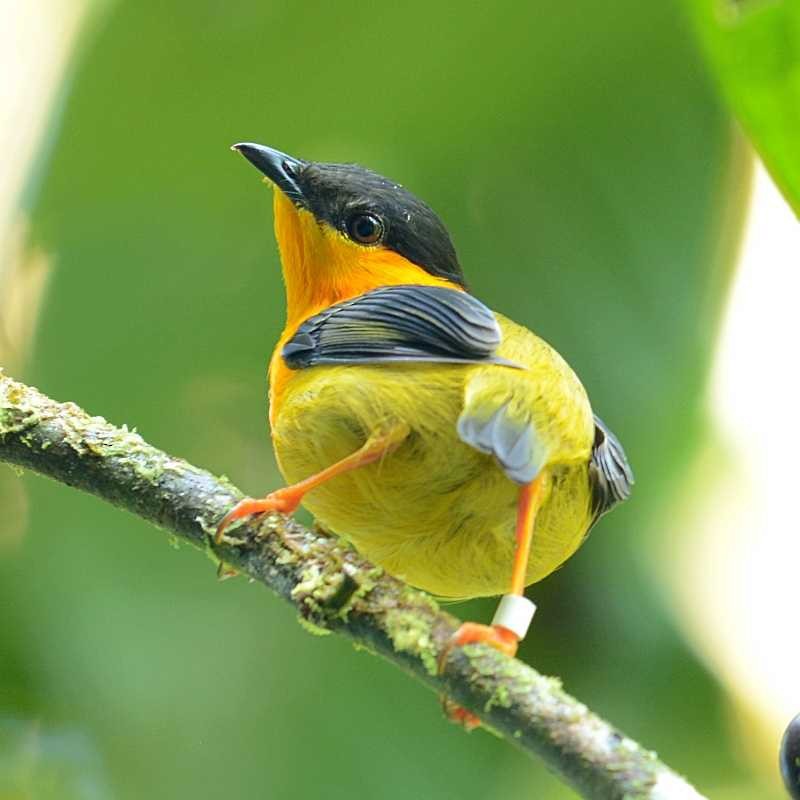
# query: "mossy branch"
{"points": [[333, 588]]}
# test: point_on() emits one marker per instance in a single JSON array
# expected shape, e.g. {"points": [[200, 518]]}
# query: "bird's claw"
{"points": [[459, 715], [495, 636], [283, 501]]}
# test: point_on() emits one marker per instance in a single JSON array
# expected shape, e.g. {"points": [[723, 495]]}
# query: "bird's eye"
{"points": [[365, 228]]}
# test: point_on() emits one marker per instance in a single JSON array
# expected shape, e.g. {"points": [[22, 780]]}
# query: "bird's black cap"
{"points": [[336, 193]]}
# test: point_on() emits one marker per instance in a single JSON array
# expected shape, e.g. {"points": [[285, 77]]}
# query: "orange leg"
{"points": [[287, 499], [496, 635]]}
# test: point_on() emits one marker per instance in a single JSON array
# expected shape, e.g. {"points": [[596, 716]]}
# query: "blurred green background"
{"points": [[593, 186]]}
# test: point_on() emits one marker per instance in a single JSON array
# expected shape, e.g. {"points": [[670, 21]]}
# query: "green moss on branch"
{"points": [[332, 589]]}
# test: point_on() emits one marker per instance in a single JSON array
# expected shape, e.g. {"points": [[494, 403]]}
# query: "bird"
{"points": [[448, 444]]}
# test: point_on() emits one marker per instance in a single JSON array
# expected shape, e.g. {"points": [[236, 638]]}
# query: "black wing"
{"points": [[610, 475], [398, 323]]}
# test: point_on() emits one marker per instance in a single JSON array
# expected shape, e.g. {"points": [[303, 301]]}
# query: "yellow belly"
{"points": [[434, 512]]}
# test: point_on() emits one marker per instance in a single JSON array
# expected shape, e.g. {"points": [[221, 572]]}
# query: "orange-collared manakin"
{"points": [[450, 445]]}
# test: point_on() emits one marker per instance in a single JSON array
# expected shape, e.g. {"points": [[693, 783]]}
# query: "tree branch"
{"points": [[332, 588]]}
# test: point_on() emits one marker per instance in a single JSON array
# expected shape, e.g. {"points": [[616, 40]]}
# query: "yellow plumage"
{"points": [[450, 445], [435, 511]]}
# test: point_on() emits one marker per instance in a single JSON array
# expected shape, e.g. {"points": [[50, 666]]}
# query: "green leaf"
{"points": [[753, 47]]}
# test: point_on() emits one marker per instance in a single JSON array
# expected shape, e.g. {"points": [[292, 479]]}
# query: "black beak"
{"points": [[281, 169]]}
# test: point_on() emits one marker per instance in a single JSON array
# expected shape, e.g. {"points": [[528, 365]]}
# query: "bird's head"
{"points": [[343, 230]]}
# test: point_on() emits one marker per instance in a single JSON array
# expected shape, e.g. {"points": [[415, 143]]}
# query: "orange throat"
{"points": [[321, 267]]}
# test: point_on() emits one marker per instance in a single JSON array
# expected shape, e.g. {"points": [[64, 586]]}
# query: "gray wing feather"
{"points": [[511, 441], [398, 323], [610, 475]]}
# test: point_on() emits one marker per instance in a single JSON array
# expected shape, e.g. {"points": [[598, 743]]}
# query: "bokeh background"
{"points": [[596, 190]]}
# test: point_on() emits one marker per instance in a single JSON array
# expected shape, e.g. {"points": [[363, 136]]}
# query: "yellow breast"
{"points": [[437, 512]]}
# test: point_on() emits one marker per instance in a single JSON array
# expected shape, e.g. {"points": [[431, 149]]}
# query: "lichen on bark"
{"points": [[332, 589]]}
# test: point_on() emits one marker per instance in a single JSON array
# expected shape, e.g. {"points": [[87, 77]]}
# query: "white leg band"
{"points": [[515, 613]]}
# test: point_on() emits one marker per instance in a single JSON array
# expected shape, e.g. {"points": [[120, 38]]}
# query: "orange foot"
{"points": [[285, 501], [495, 636]]}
